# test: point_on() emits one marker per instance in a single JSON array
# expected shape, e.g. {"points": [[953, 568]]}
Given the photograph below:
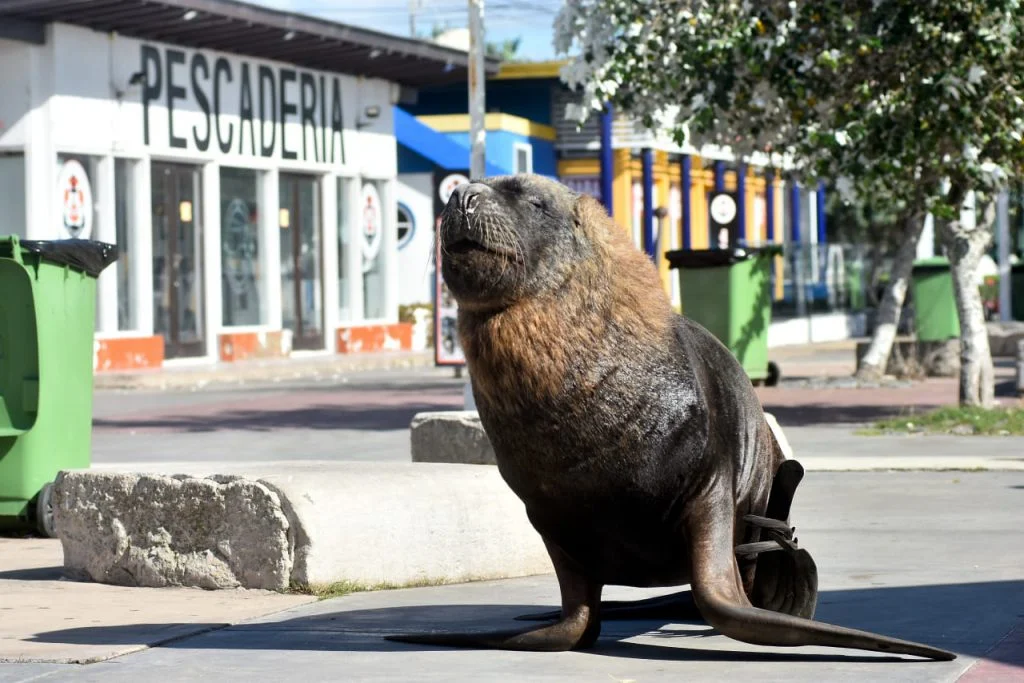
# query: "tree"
{"points": [[919, 97], [505, 50]]}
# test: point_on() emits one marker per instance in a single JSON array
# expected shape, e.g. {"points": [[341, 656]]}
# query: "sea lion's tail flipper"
{"points": [[718, 592]]}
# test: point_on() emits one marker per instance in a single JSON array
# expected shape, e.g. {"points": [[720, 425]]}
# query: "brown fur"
{"points": [[619, 286]]}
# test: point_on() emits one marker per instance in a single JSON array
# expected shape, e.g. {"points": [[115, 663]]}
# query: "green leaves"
{"points": [[885, 93]]}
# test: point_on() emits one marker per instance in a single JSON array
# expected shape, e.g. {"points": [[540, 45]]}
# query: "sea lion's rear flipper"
{"points": [[559, 637], [577, 628], [677, 606], [718, 592], [785, 576]]}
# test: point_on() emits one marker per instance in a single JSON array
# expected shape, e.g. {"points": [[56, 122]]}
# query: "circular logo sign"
{"points": [[74, 196], [723, 209], [371, 223], [448, 185]]}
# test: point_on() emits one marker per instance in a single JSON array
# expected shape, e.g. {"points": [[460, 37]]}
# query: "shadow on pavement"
{"points": [[968, 618], [368, 417], [812, 415], [34, 574]]}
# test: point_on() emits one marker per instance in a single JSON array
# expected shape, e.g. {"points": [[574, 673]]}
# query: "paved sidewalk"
{"points": [[110, 620], [317, 368], [933, 557]]}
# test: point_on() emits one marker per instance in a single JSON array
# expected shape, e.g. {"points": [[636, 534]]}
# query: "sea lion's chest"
{"points": [[610, 429]]}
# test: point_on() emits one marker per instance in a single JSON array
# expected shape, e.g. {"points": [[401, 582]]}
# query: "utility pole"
{"points": [[413, 6], [1003, 242], [477, 90]]}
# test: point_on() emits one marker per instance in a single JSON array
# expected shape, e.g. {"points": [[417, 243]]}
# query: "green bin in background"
{"points": [[728, 292], [935, 316], [47, 318]]}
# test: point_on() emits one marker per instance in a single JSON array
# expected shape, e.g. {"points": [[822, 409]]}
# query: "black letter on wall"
{"points": [[199, 63], [286, 108], [174, 92], [267, 76], [309, 114], [245, 112], [219, 67], [336, 122], [153, 84]]}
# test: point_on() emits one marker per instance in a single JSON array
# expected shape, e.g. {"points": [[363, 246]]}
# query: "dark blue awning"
{"points": [[434, 146]]}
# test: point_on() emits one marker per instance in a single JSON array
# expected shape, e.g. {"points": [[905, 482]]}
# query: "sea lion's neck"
{"points": [[543, 348]]}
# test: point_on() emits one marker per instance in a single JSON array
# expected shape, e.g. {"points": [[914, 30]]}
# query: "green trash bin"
{"points": [[935, 316], [728, 292], [47, 317], [1017, 289]]}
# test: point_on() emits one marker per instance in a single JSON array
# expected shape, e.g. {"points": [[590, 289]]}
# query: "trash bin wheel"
{"points": [[44, 512], [773, 374]]}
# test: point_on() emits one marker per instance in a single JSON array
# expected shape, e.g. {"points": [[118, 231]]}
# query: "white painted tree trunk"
{"points": [[966, 246], [877, 357]]}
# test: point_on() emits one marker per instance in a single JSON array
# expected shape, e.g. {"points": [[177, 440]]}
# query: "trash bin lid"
{"points": [[716, 258], [933, 264], [88, 256]]}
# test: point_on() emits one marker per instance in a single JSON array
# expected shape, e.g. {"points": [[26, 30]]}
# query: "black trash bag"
{"points": [[709, 258], [88, 256]]}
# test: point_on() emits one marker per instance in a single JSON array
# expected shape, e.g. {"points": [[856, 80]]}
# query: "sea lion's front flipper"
{"points": [[577, 628], [718, 592]]}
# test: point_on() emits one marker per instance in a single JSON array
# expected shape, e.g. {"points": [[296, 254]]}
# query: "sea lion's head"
{"points": [[507, 238]]}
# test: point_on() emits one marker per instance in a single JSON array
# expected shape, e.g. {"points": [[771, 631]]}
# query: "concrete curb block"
{"points": [[458, 436], [366, 523], [450, 436]]}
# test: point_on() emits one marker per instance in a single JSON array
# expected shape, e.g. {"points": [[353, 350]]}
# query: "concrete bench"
{"points": [[365, 523]]}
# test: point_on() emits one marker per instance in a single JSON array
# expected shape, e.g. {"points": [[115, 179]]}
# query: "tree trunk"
{"points": [[966, 247], [873, 364]]}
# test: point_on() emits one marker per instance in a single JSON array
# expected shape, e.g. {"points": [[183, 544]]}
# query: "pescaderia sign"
{"points": [[243, 108]]}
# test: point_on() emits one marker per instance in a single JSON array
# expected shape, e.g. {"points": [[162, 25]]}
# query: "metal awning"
{"points": [[245, 29]]}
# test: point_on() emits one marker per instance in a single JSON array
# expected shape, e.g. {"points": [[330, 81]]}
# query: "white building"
{"points": [[242, 159]]}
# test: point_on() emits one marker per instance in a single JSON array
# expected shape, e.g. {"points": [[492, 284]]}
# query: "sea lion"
{"points": [[632, 435]]}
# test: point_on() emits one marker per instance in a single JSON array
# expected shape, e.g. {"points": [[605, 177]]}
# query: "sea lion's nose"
{"points": [[469, 195]]}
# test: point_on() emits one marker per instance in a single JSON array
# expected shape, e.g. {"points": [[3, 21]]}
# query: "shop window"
{"points": [[372, 224], [524, 157], [12, 199], [405, 225], [345, 242], [124, 220], [242, 279]]}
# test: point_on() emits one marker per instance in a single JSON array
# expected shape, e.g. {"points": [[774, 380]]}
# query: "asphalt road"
{"points": [[365, 416]]}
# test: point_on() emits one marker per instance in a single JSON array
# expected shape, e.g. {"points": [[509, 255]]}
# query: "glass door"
{"points": [[301, 261], [177, 260]]}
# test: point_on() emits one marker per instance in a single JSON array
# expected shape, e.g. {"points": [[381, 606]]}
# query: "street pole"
{"points": [[413, 6], [477, 132], [477, 78], [1003, 242]]}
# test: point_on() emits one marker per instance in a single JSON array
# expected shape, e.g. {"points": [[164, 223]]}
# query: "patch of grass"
{"points": [[326, 591], [957, 420]]}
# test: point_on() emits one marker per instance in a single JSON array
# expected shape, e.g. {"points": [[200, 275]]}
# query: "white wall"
{"points": [[92, 68], [416, 258], [15, 102], [73, 95]]}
